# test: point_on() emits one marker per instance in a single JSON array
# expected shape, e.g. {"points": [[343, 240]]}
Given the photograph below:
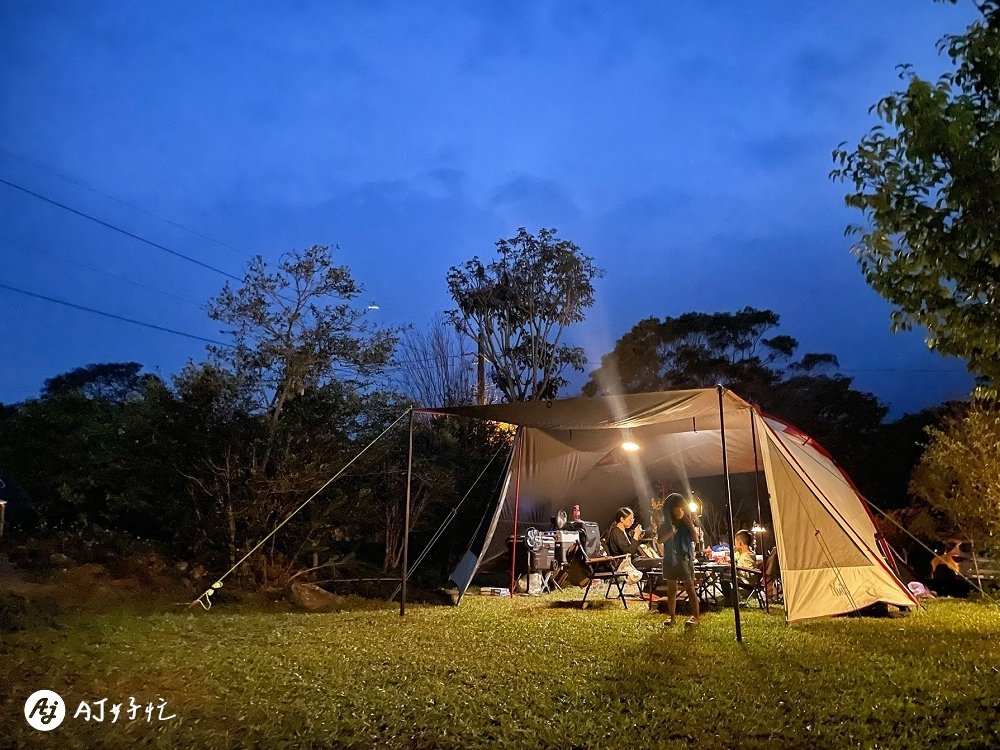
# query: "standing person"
{"points": [[620, 542], [679, 535]]}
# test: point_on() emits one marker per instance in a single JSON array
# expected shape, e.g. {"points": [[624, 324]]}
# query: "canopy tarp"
{"points": [[571, 452]]}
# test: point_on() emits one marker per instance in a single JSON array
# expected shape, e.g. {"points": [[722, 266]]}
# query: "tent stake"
{"points": [[406, 521], [732, 534]]}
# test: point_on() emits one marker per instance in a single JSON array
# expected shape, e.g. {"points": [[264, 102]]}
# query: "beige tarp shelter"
{"points": [[570, 452]]}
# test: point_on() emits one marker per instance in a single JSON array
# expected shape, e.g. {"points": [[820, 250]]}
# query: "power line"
{"points": [[114, 228], [95, 269], [125, 203], [112, 315], [344, 370]]}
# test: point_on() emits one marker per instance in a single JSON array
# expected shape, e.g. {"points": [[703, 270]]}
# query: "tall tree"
{"points": [[744, 352], [108, 381], [926, 181], [517, 309], [280, 406], [294, 328], [435, 368], [696, 350], [90, 453], [959, 472]]}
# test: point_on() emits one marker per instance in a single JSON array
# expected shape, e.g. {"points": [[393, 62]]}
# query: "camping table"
{"points": [[650, 579], [651, 568], [708, 579]]}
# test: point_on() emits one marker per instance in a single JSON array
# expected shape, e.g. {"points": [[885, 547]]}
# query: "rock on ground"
{"points": [[313, 598]]}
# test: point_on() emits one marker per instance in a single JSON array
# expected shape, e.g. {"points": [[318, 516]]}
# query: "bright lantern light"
{"points": [[693, 506], [630, 447]]}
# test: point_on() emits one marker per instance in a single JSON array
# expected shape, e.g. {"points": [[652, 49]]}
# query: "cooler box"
{"points": [[533, 560], [563, 544]]}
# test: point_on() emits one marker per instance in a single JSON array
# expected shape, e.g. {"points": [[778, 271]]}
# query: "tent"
{"points": [[570, 452]]}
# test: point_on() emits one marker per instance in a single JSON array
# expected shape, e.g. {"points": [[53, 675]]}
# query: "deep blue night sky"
{"points": [[686, 146]]}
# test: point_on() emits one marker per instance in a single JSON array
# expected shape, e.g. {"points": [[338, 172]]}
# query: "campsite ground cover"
{"points": [[531, 672]]}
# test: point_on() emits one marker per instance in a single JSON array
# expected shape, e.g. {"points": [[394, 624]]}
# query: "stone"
{"points": [[313, 598]]}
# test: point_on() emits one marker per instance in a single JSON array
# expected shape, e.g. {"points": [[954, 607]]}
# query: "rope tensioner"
{"points": [[205, 600]]}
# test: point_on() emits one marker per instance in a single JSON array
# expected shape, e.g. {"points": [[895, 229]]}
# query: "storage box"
{"points": [[494, 591], [541, 559], [564, 542], [565, 537]]}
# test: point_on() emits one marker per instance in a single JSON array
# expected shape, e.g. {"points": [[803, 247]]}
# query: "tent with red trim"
{"points": [[570, 451]]}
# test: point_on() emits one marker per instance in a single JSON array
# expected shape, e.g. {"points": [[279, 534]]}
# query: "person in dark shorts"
{"points": [[679, 535]]}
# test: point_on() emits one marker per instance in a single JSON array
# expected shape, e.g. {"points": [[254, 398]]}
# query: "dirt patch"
{"points": [[92, 587]]}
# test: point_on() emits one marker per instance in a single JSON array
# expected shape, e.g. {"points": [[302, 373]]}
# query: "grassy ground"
{"points": [[527, 673]]}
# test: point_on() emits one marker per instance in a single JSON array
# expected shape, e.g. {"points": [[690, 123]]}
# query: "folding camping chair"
{"points": [[604, 568], [751, 587]]}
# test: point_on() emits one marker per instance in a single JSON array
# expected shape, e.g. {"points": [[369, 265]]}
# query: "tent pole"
{"points": [[760, 518], [732, 534], [517, 499], [406, 521], [756, 466]]}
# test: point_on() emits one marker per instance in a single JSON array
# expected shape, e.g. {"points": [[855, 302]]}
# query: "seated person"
{"points": [[619, 541], [745, 556], [746, 563]]}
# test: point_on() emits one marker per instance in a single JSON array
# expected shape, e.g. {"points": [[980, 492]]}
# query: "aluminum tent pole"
{"points": [[760, 518], [517, 498], [406, 520], [729, 507]]}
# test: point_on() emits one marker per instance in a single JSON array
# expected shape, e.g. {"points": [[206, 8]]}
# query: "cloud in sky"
{"points": [[686, 148]]}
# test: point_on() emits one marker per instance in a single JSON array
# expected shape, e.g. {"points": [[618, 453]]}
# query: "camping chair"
{"points": [[604, 568], [774, 591], [751, 587]]}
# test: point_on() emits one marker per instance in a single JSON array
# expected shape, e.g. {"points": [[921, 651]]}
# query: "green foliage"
{"points": [[448, 456], [107, 381], [899, 445], [847, 422], [208, 467], [527, 672], [959, 473], [88, 455], [518, 307], [926, 182], [697, 350], [276, 412], [294, 328]]}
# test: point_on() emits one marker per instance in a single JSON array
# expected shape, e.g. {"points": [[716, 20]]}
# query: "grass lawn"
{"points": [[528, 672]]}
